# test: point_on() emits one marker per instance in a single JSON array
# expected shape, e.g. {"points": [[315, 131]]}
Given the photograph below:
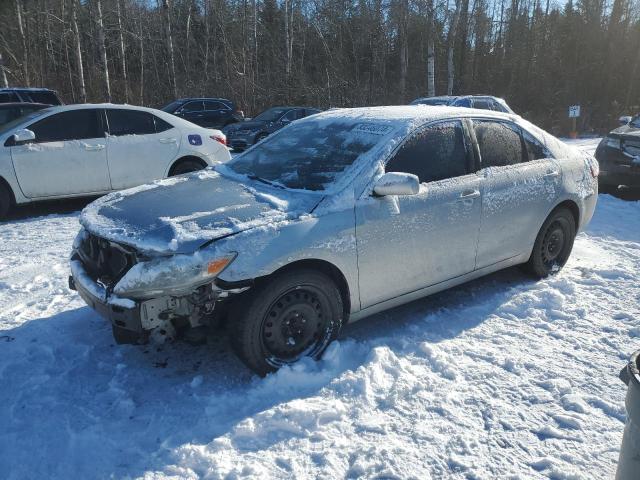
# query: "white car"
{"points": [[86, 150]]}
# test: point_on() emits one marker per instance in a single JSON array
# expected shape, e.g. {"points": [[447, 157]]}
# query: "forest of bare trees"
{"points": [[539, 55]]}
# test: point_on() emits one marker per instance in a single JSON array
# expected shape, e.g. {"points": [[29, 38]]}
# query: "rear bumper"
{"points": [[616, 168]]}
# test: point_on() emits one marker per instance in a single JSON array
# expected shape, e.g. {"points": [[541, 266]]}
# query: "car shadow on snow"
{"points": [[49, 207], [101, 409]]}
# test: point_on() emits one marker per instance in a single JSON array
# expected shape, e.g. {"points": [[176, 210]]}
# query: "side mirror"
{"points": [[625, 119], [23, 136], [397, 183]]}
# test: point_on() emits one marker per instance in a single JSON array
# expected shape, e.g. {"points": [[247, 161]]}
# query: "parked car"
{"points": [[206, 112], [619, 156], [29, 95], [482, 102], [242, 135], [11, 111], [87, 149], [333, 218]]}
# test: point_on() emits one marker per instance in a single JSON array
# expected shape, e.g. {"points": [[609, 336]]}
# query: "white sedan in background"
{"points": [[85, 150]]}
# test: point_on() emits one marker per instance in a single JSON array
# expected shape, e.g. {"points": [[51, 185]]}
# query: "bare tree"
{"points": [[431, 55], [5, 82], [123, 58], [103, 52], [453, 28], [169, 42], [78, 50], [23, 41]]}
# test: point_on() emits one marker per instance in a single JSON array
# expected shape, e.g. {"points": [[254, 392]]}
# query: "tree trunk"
{"points": [[102, 50], [431, 55], [76, 35], [23, 41], [123, 57], [453, 29], [169, 42], [403, 35], [3, 77]]}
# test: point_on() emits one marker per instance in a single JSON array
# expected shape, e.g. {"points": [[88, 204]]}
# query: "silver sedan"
{"points": [[333, 218]]}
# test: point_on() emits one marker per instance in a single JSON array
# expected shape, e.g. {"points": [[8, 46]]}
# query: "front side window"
{"points": [[291, 116], [271, 115], [192, 107], [130, 122], [465, 102], [499, 143], [434, 153], [72, 125], [311, 154], [481, 103]]}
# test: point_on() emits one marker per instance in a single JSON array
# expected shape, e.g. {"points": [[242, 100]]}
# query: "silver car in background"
{"points": [[333, 218]]}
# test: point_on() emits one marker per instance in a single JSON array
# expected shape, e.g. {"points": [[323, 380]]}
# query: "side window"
{"points": [[499, 143], [291, 115], [72, 125], [495, 105], [161, 125], [7, 114], [210, 105], [7, 97], [535, 150], [481, 103], [192, 107], [130, 122], [434, 153], [465, 102]]}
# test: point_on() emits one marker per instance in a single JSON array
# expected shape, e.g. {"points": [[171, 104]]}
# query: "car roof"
{"points": [[190, 99], [412, 114], [24, 104], [25, 89]]}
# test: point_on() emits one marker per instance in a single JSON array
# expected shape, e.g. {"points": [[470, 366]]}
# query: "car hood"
{"points": [[627, 131], [181, 214]]}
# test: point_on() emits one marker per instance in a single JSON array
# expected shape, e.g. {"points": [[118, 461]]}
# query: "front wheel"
{"points": [[295, 314], [553, 244]]}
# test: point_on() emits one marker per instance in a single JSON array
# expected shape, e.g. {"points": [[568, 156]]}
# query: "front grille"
{"points": [[105, 261]]}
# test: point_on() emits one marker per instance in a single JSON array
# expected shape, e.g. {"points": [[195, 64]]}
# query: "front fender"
{"points": [[263, 250]]}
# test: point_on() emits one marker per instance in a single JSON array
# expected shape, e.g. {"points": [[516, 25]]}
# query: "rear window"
{"points": [[49, 98], [499, 143], [130, 122]]}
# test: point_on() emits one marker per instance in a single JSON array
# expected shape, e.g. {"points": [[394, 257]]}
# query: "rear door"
{"points": [[140, 147], [408, 242], [67, 157], [522, 184]]}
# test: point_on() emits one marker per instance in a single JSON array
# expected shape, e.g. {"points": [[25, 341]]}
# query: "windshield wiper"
{"points": [[265, 181]]}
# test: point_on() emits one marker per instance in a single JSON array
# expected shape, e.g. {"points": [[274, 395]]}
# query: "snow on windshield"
{"points": [[311, 154]]}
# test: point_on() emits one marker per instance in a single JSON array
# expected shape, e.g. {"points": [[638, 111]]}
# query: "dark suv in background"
{"points": [[245, 134], [29, 95], [619, 156], [206, 112], [11, 111]]}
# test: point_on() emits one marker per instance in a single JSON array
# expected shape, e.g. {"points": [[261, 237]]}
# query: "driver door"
{"points": [[406, 243]]}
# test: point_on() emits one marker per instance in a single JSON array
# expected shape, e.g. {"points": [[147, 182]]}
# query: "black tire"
{"points": [[553, 244], [5, 200], [186, 166], [294, 314]]}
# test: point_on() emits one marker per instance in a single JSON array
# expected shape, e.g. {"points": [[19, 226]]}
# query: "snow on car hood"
{"points": [[180, 214]]}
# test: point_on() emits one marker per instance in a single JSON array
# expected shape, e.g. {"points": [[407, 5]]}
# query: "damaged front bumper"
{"points": [[138, 318]]}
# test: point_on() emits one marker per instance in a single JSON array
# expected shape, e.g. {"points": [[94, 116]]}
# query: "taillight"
{"points": [[222, 139], [594, 166]]}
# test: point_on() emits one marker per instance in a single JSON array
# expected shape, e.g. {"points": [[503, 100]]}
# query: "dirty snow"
{"points": [[502, 377]]}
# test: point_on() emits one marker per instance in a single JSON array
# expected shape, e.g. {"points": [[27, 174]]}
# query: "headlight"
{"points": [[612, 142], [176, 275]]}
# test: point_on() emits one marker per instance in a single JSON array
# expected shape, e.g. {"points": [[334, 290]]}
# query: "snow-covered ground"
{"points": [[502, 377]]}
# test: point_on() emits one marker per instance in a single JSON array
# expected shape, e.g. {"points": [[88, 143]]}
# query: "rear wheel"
{"points": [[295, 315], [553, 244], [5, 200], [186, 166]]}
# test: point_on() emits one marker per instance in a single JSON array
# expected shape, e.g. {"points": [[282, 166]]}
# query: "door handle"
{"points": [[470, 194], [552, 174], [93, 148], [168, 140]]}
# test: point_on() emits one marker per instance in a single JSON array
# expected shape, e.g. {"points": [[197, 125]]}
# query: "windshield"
{"points": [[272, 114], [172, 107], [635, 121], [311, 154], [12, 124]]}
